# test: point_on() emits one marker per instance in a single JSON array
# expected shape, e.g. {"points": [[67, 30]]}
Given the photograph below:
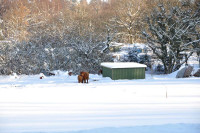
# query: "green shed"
{"points": [[123, 70]]}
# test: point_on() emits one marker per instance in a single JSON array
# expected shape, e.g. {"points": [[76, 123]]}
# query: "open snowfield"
{"points": [[58, 104]]}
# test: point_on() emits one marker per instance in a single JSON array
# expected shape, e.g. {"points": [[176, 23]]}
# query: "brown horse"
{"points": [[85, 76], [80, 79], [70, 73], [100, 72]]}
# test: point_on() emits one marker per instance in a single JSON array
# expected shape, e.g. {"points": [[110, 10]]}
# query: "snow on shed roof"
{"points": [[122, 65]]}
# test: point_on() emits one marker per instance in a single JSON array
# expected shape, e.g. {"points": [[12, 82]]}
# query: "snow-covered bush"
{"points": [[132, 55], [159, 69], [51, 52], [145, 58], [135, 53]]}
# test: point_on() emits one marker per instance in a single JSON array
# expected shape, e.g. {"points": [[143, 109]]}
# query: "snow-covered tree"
{"points": [[16, 21], [172, 33], [86, 48], [126, 20], [197, 17]]}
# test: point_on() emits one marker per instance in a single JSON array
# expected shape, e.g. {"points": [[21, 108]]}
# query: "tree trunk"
{"points": [[130, 37], [165, 66], [199, 61]]}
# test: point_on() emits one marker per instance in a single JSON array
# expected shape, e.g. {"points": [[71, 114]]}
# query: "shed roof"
{"points": [[122, 65]]}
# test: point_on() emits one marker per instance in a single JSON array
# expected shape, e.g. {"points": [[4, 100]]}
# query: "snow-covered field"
{"points": [[58, 104]]}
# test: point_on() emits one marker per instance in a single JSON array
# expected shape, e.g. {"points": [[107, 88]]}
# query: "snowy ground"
{"points": [[59, 104]]}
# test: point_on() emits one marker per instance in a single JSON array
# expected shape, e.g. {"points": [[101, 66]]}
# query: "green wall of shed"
{"points": [[107, 72], [124, 73]]}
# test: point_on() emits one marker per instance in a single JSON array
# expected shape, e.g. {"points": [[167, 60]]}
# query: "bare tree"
{"points": [[127, 20]]}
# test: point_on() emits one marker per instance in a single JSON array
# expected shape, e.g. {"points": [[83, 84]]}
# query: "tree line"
{"points": [[75, 35]]}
